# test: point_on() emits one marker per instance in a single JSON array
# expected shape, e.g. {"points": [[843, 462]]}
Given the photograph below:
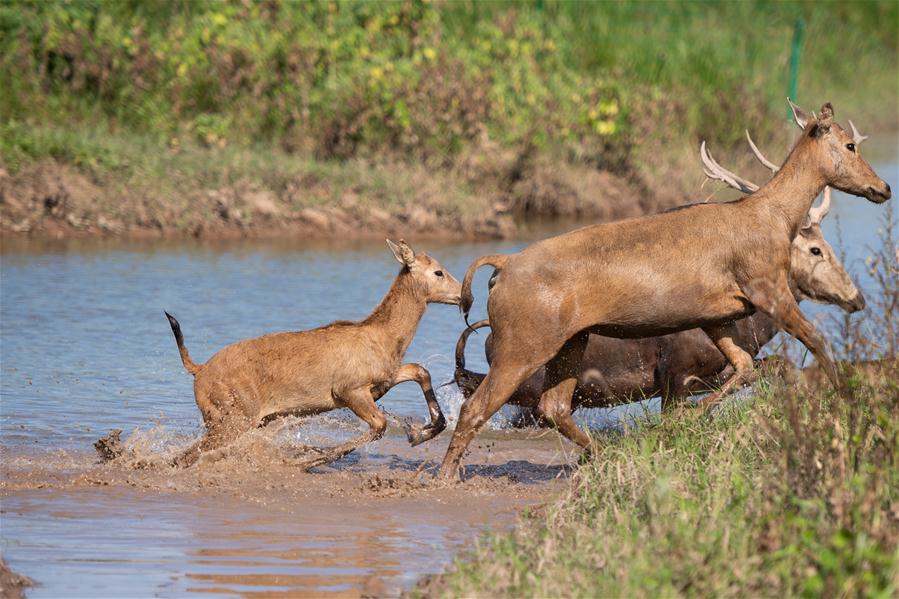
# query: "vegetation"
{"points": [[339, 79], [125, 89], [793, 493]]}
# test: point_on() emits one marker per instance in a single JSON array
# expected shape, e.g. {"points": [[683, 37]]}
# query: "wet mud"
{"points": [[12, 585], [253, 524]]}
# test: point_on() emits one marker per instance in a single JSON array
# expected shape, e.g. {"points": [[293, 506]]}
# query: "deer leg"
{"points": [[723, 338], [504, 377], [558, 389], [361, 402], [778, 302], [417, 373]]}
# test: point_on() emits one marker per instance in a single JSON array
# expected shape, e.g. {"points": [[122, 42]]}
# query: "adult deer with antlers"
{"points": [[705, 266], [615, 371]]}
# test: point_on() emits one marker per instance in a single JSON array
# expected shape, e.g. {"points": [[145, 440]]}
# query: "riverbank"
{"points": [[261, 193], [419, 119], [792, 493]]}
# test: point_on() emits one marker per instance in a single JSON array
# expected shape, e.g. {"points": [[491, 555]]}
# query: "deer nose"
{"points": [[878, 196], [858, 302]]}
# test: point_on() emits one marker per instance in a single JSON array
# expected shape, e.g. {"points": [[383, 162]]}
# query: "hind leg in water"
{"points": [[361, 402], [225, 420]]}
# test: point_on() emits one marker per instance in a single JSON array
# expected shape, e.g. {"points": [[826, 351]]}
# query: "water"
{"points": [[86, 348]]}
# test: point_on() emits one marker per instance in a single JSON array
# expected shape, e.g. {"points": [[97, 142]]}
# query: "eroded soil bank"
{"points": [[254, 524], [483, 198]]}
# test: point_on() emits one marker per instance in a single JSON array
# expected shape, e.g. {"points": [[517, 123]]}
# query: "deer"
{"points": [[345, 364], [616, 371], [704, 266]]}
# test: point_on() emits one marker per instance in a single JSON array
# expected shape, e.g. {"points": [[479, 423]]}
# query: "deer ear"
{"points": [[799, 115], [821, 124], [402, 252], [825, 120]]}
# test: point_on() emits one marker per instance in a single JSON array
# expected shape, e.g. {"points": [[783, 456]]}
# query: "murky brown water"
{"points": [[254, 525]]}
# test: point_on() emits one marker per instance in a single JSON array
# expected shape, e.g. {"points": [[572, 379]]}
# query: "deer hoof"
{"points": [[418, 435]]}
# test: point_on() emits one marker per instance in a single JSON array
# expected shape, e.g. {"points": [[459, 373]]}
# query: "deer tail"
{"points": [[497, 261], [191, 366]]}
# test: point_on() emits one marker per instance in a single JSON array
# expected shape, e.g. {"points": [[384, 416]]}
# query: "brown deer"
{"points": [[616, 371], [706, 266], [341, 365]]}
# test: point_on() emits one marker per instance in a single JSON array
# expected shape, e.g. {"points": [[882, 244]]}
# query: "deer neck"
{"points": [[794, 188], [395, 319]]}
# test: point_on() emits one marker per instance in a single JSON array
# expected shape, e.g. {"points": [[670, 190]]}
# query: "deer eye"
{"points": [[438, 273], [850, 147], [816, 251]]}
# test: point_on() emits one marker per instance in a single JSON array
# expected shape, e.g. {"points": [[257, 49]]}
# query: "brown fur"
{"points": [[343, 364], [704, 266], [615, 371]]}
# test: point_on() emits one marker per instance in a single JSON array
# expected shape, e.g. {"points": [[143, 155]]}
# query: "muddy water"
{"points": [[86, 348], [252, 525]]}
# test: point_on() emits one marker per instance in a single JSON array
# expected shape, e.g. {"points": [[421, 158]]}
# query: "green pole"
{"points": [[798, 30]]}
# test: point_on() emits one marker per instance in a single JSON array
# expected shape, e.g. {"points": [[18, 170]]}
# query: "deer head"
{"points": [[429, 278], [835, 153], [815, 271]]}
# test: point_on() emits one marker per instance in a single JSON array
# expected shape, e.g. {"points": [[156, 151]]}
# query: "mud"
{"points": [[50, 200], [12, 585], [369, 525]]}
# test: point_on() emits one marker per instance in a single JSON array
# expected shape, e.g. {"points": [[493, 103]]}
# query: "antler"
{"points": [[816, 215], [761, 158], [856, 136], [713, 170]]}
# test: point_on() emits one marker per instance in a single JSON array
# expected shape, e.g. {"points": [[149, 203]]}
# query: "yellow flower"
{"points": [[376, 73], [430, 53], [219, 19], [593, 114], [609, 107], [605, 127]]}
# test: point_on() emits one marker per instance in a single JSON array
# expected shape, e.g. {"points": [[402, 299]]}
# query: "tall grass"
{"points": [[426, 80]]}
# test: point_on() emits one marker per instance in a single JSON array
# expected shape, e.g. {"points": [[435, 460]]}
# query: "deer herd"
{"points": [[669, 305]]}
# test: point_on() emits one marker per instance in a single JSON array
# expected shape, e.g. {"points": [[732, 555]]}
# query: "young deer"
{"points": [[615, 371], [705, 266], [341, 365]]}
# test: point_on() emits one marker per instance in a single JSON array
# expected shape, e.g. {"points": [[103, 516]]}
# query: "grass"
{"points": [[109, 86], [796, 494]]}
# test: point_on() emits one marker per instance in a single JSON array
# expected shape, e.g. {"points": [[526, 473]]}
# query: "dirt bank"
{"points": [[481, 198]]}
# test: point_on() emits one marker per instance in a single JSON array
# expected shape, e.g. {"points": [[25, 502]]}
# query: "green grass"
{"points": [[425, 81], [796, 494]]}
